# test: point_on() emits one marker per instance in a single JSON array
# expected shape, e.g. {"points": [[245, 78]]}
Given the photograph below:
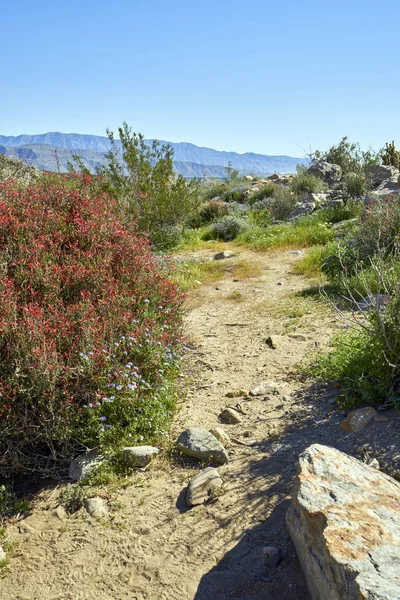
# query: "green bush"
{"points": [[305, 183], [282, 204], [213, 210], [142, 178], [354, 185], [307, 231], [348, 155], [265, 191], [226, 230]]}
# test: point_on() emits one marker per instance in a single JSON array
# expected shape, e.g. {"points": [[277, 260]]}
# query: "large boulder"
{"points": [[328, 172], [344, 520], [381, 174]]}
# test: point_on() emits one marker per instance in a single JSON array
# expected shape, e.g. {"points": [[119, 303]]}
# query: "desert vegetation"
{"points": [[90, 318]]}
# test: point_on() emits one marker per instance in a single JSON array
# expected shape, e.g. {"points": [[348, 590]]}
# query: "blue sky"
{"points": [[274, 78]]}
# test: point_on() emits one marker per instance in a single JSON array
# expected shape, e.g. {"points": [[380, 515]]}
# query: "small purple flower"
{"points": [[90, 405], [103, 418]]}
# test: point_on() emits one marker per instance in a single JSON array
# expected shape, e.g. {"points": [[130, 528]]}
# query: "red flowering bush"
{"points": [[89, 326]]}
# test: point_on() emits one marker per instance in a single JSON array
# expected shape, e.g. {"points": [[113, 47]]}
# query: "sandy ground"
{"points": [[153, 547]]}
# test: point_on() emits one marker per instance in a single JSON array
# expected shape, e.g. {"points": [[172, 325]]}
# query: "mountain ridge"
{"points": [[189, 159]]}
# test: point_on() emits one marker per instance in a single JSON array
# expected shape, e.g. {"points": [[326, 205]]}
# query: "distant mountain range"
{"points": [[45, 149]]}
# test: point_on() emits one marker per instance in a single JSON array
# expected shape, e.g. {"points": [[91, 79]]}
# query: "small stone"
{"points": [[231, 416], [381, 418], [264, 388], [61, 513], [96, 507], [138, 456], [358, 419], [272, 556], [237, 393], [221, 436], [3, 555], [298, 336], [223, 255], [197, 442], [202, 486], [280, 283], [296, 252], [84, 464], [270, 343]]}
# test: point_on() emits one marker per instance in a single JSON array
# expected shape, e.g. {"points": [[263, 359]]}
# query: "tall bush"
{"points": [[89, 326], [142, 178]]}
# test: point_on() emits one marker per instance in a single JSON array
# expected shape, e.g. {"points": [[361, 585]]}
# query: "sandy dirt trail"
{"points": [[153, 547]]}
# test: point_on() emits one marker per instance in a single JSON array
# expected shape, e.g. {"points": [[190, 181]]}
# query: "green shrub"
{"points": [[390, 156], [226, 230], [265, 191], [357, 362], [379, 229], [305, 183], [307, 231], [142, 178], [89, 327], [354, 185], [213, 210], [348, 155], [235, 194], [282, 204]]}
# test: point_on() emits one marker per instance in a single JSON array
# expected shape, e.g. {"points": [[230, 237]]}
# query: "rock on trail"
{"points": [[345, 523]]}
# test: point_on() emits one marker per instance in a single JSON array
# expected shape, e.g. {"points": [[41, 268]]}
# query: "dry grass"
{"points": [[192, 274], [235, 296]]}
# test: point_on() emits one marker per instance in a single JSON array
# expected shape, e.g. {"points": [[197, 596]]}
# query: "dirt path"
{"points": [[154, 548]]}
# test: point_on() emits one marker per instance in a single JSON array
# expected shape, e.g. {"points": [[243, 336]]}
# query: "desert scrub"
{"points": [[308, 231], [357, 364], [90, 327], [226, 229], [213, 210], [305, 183], [265, 191], [142, 179], [282, 204]]}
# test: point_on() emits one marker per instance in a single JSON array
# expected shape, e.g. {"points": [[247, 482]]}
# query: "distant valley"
{"points": [[53, 151]]}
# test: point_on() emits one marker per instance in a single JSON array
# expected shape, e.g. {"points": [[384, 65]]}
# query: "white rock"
{"points": [[266, 387], [221, 436], [96, 507], [230, 415]]}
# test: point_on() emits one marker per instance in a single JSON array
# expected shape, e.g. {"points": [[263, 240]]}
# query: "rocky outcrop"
{"points": [[344, 520], [381, 174], [328, 172]]}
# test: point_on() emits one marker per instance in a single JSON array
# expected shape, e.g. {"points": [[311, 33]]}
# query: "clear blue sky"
{"points": [[269, 77]]}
